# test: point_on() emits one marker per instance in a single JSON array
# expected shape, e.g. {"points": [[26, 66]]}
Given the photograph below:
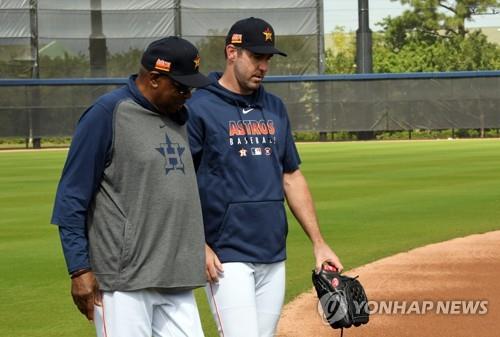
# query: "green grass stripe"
{"points": [[374, 199]]}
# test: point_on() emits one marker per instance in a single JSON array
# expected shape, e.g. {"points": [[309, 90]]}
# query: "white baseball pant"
{"points": [[146, 313], [247, 299]]}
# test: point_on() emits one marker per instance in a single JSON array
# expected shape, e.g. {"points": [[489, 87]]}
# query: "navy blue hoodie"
{"points": [[241, 146]]}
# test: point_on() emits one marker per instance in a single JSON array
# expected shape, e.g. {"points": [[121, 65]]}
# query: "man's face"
{"points": [[250, 69], [170, 95]]}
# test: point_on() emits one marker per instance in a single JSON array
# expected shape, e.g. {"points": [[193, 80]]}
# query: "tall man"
{"points": [[246, 163], [127, 204]]}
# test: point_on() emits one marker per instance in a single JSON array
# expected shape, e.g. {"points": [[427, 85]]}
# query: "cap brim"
{"points": [[196, 80], [265, 50]]}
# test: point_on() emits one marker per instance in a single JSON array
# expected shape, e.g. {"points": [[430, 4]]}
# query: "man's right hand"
{"points": [[213, 265], [86, 294]]}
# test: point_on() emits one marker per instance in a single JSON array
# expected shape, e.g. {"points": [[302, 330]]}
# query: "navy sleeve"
{"points": [[88, 155], [196, 133], [291, 160]]}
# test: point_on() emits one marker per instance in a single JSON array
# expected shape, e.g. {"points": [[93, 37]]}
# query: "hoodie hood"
{"points": [[233, 98]]}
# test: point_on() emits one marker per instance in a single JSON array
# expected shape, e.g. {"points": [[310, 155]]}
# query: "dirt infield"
{"points": [[449, 275]]}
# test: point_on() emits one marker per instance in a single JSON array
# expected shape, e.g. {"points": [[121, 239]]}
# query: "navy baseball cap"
{"points": [[176, 58], [253, 34]]}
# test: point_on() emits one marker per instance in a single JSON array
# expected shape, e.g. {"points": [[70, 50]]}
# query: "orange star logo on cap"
{"points": [[268, 34], [196, 61], [237, 38], [162, 65]]}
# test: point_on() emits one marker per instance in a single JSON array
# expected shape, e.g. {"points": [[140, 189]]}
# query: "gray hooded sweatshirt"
{"points": [[127, 204]]}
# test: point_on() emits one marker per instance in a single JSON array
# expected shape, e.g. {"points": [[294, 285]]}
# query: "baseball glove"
{"points": [[342, 298]]}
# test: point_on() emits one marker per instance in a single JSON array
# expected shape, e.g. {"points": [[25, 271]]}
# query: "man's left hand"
{"points": [[86, 294]]}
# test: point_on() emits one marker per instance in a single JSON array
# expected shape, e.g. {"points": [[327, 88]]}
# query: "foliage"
{"points": [[312, 136], [437, 134], [342, 58], [302, 56], [430, 20], [301, 50], [306, 136], [211, 50], [455, 53], [46, 142], [70, 66], [125, 63], [431, 36], [67, 66]]}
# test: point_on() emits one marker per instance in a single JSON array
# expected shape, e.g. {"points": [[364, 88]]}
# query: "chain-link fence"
{"points": [[105, 38], [371, 102]]}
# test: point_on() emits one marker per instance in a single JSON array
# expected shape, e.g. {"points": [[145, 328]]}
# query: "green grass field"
{"points": [[374, 199]]}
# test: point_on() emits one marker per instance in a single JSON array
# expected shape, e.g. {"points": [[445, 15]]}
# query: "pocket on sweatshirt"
{"points": [[128, 231], [253, 231]]}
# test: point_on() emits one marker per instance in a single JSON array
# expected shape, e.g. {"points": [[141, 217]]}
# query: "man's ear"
{"points": [[231, 52], [153, 79]]}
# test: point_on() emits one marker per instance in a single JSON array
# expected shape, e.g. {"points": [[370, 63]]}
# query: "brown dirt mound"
{"points": [[447, 273]]}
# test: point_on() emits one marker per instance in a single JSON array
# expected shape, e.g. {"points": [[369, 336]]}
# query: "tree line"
{"points": [[430, 36]]}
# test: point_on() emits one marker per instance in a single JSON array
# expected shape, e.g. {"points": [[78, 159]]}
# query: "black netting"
{"points": [[354, 105], [392, 104]]}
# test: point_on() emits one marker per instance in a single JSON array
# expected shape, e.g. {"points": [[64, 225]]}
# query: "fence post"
{"points": [[34, 112], [97, 41], [177, 18]]}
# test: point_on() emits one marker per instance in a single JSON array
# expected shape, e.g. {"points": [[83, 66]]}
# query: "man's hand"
{"points": [[85, 292], [323, 253], [213, 266]]}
